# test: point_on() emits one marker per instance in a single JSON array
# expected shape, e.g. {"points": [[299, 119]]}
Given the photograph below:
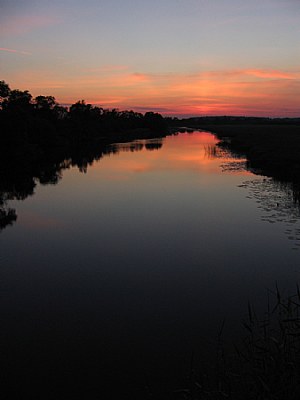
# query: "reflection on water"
{"points": [[231, 162], [18, 178], [278, 203], [19, 181], [236, 165], [137, 145], [118, 277]]}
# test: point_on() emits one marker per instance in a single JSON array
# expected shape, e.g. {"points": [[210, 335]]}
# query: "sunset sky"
{"points": [[177, 57]]}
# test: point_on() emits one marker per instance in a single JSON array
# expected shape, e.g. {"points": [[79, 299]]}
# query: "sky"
{"points": [[176, 57]]}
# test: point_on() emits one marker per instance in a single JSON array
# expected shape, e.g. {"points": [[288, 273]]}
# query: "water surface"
{"points": [[115, 278]]}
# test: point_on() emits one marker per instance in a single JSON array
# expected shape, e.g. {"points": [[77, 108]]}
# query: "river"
{"points": [[120, 274]]}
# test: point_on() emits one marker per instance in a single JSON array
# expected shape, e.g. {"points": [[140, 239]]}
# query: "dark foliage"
{"points": [[38, 135], [43, 123]]}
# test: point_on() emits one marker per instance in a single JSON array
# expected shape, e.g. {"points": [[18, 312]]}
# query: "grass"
{"points": [[265, 365], [272, 149]]}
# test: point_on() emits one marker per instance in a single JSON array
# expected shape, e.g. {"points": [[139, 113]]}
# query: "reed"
{"points": [[264, 365]]}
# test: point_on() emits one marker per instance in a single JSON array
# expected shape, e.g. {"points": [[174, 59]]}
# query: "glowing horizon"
{"points": [[127, 55]]}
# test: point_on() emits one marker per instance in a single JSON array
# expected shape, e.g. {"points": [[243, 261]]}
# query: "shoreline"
{"points": [[272, 150]]}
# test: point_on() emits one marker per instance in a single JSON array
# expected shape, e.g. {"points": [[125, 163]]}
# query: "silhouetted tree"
{"points": [[42, 122], [45, 102], [7, 217], [4, 92], [80, 110], [155, 122], [18, 100], [60, 112]]}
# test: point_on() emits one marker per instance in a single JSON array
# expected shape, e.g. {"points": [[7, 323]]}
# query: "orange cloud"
{"points": [[258, 73], [241, 92], [272, 74]]}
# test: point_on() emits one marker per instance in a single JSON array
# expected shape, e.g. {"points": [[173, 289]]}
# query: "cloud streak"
{"points": [[23, 24], [26, 53], [272, 74], [247, 91]]}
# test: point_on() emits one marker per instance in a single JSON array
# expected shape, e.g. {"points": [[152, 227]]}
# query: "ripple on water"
{"points": [[278, 204]]}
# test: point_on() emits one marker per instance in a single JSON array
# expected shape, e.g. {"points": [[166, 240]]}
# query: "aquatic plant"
{"points": [[264, 365]]}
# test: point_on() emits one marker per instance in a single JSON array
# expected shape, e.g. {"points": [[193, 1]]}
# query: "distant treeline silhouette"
{"points": [[40, 138], [42, 122], [199, 122]]}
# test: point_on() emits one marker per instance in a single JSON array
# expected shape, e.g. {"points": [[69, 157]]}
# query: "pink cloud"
{"points": [[24, 24], [26, 53]]}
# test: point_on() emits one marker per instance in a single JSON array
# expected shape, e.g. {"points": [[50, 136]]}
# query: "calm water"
{"points": [[114, 278]]}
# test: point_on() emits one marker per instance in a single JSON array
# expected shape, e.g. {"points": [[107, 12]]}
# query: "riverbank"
{"points": [[272, 149]]}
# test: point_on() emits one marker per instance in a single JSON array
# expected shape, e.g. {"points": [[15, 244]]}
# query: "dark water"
{"points": [[114, 279]]}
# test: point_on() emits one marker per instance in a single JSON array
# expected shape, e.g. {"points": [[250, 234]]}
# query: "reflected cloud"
{"points": [[186, 151], [195, 151]]}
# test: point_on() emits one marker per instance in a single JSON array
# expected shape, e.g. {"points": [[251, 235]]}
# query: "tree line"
{"points": [[40, 138], [43, 122]]}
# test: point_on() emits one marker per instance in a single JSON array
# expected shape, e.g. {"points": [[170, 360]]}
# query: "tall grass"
{"points": [[264, 365]]}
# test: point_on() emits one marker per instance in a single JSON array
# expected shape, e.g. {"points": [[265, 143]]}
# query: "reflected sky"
{"points": [[130, 268], [185, 152]]}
